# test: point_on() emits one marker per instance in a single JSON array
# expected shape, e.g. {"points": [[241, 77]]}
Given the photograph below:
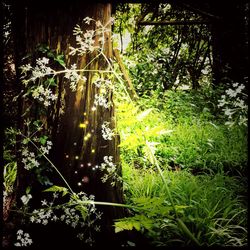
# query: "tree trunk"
{"points": [[77, 150]]}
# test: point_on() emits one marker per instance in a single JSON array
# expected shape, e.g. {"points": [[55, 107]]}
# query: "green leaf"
{"points": [[60, 60], [83, 210], [37, 123], [51, 82], [50, 54], [142, 115], [26, 140], [55, 188], [136, 222], [28, 190], [43, 139]]}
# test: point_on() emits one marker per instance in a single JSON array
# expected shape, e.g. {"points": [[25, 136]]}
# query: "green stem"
{"points": [[179, 221], [51, 163], [116, 75]]}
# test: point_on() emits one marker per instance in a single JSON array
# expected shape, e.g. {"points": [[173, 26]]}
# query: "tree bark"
{"points": [[77, 150]]}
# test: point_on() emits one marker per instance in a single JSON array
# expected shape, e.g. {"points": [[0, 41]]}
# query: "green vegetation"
{"points": [[195, 132], [182, 143], [203, 163]]}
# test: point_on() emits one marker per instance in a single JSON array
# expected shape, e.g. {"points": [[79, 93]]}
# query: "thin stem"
{"points": [[179, 221], [162, 177], [116, 75], [51, 163], [79, 70]]}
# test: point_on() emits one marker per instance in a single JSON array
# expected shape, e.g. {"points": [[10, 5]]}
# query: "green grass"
{"points": [[209, 188], [209, 205], [205, 147], [191, 141]]}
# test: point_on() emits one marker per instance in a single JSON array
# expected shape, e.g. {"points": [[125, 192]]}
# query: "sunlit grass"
{"points": [[203, 163]]}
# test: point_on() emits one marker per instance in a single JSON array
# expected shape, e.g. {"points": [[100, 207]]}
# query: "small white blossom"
{"points": [[107, 133], [234, 105], [44, 203], [109, 169], [44, 95], [23, 239], [101, 101], [87, 20], [25, 68], [231, 93], [25, 199]]}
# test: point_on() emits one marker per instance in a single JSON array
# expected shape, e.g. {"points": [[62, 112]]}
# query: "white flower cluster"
{"points": [[101, 100], [74, 77], [26, 68], [44, 95], [107, 133], [87, 20], [110, 170], [77, 213], [70, 217], [46, 149], [29, 159], [84, 41], [23, 239], [43, 215], [233, 103], [40, 70], [103, 83]]}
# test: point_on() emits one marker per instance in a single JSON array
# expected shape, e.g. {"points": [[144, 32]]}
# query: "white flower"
{"points": [[25, 68], [240, 88], [87, 20], [25, 152], [42, 61], [25, 199], [98, 23], [107, 133], [55, 195], [23, 238], [101, 101], [19, 232], [44, 203], [231, 92], [45, 222], [46, 103], [54, 218], [32, 219]]}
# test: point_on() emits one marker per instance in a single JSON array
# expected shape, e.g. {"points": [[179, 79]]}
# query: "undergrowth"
{"points": [[203, 162]]}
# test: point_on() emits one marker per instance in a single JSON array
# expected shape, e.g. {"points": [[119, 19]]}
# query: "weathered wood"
{"points": [[73, 154], [128, 82]]}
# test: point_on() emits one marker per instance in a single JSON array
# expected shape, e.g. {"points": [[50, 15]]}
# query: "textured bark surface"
{"points": [[72, 154]]}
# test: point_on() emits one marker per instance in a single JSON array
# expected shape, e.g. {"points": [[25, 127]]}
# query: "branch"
{"points": [[186, 22], [130, 87]]}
